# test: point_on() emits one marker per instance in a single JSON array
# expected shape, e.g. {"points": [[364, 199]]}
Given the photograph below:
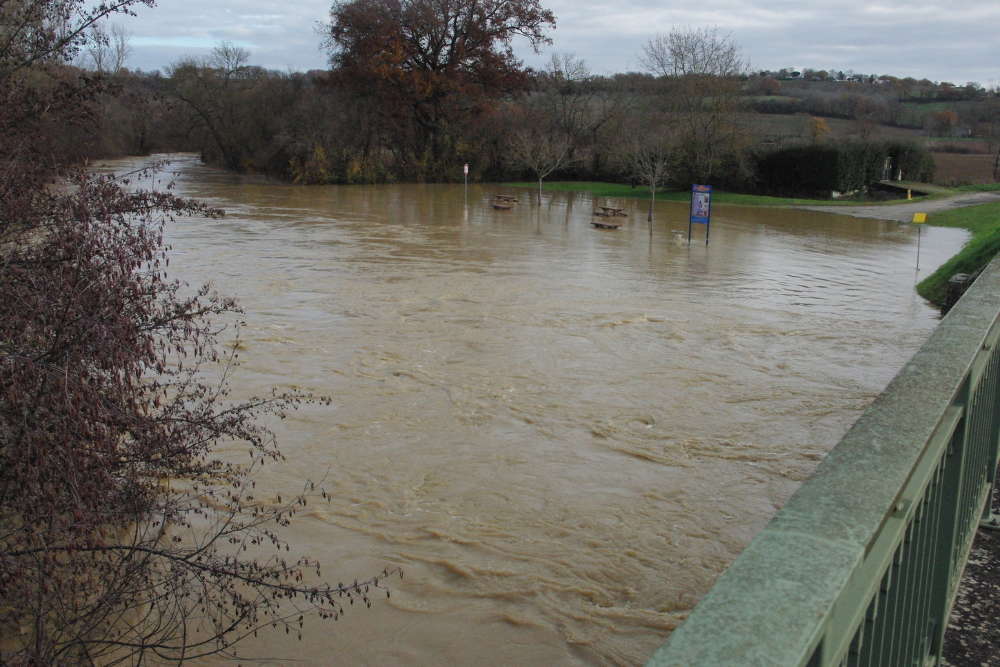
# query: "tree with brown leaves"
{"points": [[434, 63], [124, 536]]}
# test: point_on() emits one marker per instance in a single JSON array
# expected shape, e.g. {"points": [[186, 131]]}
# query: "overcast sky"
{"points": [[957, 41]]}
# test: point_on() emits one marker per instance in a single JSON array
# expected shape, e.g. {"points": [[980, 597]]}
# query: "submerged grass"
{"points": [[984, 223], [621, 190]]}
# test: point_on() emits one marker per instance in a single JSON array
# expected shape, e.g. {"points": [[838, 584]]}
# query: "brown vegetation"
{"points": [[417, 88], [124, 536]]}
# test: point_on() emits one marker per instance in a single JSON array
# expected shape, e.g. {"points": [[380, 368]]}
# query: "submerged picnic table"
{"points": [[503, 202], [605, 225], [610, 211]]}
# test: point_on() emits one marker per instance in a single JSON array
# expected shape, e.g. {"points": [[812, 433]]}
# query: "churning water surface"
{"points": [[561, 434]]}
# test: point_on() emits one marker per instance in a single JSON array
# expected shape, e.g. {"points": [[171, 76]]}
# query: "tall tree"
{"points": [[431, 62], [217, 91], [122, 531], [569, 99], [702, 70], [693, 52]]}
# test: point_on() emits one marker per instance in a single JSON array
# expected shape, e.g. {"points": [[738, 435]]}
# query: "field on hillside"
{"points": [[958, 169], [972, 165], [782, 129]]}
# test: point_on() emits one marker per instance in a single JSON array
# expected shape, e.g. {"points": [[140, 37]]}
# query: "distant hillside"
{"points": [[960, 124]]}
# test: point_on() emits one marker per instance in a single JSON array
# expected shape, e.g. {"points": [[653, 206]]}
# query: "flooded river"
{"points": [[561, 434]]}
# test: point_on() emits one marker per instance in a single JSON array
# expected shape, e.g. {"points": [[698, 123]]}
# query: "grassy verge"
{"points": [[618, 190], [985, 187], [984, 223]]}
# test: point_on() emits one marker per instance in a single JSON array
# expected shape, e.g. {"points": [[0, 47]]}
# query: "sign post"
{"points": [[701, 209], [919, 219], [465, 170]]}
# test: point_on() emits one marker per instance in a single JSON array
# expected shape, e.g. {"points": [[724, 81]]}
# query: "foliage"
{"points": [[822, 168], [233, 105], [818, 128], [942, 123], [702, 72], [124, 534], [428, 66], [386, 117], [568, 99], [764, 85], [912, 162], [34, 32]]}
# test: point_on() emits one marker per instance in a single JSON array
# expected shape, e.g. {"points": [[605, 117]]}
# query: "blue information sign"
{"points": [[701, 209], [701, 203]]}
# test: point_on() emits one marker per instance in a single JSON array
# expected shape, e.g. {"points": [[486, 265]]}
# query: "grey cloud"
{"points": [[919, 38]]}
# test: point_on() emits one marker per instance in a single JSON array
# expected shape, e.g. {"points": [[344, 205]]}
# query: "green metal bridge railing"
{"points": [[862, 565]]}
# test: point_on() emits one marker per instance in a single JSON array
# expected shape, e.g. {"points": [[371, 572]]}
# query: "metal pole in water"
{"points": [[918, 246]]}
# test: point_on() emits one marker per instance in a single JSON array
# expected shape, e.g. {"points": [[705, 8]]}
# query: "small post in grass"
{"points": [[919, 219]]}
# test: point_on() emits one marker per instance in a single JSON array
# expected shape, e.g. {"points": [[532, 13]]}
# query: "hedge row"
{"points": [[820, 169]]}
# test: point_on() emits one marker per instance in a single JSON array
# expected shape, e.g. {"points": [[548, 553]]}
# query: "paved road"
{"points": [[904, 212]]}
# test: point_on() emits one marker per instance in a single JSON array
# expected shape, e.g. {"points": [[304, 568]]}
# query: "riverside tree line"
{"points": [[417, 88]]}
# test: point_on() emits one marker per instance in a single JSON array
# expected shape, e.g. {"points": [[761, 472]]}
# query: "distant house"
{"points": [[785, 73]]}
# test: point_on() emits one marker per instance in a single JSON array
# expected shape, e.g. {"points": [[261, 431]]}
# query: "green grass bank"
{"points": [[984, 223]]}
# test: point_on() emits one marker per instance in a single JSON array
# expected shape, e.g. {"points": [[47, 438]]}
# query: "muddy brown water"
{"points": [[562, 434]]}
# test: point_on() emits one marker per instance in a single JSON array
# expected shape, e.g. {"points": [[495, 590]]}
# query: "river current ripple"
{"points": [[562, 434]]}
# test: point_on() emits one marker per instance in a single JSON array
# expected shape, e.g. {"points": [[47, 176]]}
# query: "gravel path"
{"points": [[973, 634], [904, 212]]}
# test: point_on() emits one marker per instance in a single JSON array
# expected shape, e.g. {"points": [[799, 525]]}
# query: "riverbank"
{"points": [[983, 221]]}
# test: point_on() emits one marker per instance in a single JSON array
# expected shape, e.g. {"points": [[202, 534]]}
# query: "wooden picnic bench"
{"points": [[610, 211]]}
